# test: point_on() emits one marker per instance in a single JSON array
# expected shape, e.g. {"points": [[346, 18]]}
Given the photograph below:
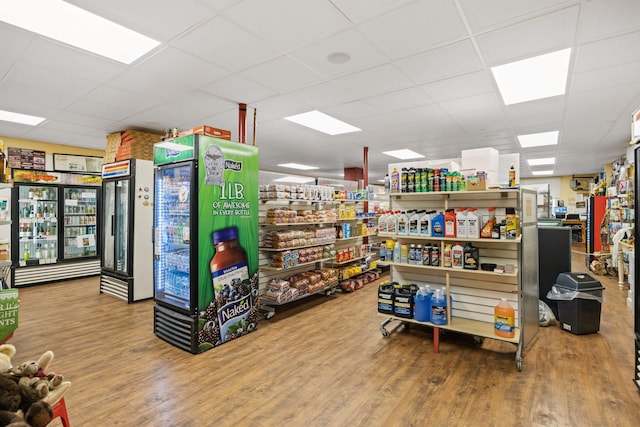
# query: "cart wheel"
{"points": [[268, 315], [478, 340], [384, 332]]}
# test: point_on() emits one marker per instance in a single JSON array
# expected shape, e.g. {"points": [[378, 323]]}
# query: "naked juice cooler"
{"points": [[205, 224]]}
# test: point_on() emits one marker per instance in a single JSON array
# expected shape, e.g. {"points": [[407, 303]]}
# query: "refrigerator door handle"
{"points": [[112, 225]]}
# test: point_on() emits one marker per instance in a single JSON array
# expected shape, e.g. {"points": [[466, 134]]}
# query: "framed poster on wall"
{"points": [[24, 158], [74, 163]]}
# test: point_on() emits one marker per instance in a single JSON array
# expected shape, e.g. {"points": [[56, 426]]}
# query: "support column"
{"points": [[242, 123]]}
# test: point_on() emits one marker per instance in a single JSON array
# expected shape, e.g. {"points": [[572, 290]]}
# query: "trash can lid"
{"points": [[578, 282]]}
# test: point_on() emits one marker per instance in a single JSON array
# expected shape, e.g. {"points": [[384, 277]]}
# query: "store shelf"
{"points": [[447, 239], [289, 224], [4, 264], [435, 194], [269, 268], [452, 270], [351, 260], [269, 302], [296, 247], [348, 239], [467, 326], [5, 222]]}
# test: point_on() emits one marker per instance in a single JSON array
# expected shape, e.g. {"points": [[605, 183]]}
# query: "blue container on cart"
{"points": [[422, 305]]}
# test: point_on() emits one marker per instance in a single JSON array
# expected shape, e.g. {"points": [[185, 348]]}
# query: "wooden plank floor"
{"points": [[325, 363]]}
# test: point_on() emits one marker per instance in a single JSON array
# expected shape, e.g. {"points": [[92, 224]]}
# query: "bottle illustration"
{"points": [[230, 279]]}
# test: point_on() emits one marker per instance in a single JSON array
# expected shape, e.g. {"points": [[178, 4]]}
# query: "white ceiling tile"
{"points": [[228, 45], [69, 86], [475, 111], [475, 83], [282, 75], [618, 75], [359, 10], [415, 27], [362, 52], [36, 101], [603, 18], [351, 110], [289, 24], [375, 81], [173, 72], [609, 52], [281, 106], [69, 128], [158, 19], [83, 118], [603, 105], [448, 61], [14, 44], [545, 34], [487, 14], [399, 100], [115, 97], [239, 89], [323, 95], [537, 116]]}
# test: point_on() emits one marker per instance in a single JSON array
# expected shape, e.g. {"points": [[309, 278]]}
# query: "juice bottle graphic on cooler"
{"points": [[504, 319], [230, 280]]}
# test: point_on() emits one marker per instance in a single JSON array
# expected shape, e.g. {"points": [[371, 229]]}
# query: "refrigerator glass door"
{"points": [[172, 236], [80, 212], [121, 226], [37, 224], [109, 204]]}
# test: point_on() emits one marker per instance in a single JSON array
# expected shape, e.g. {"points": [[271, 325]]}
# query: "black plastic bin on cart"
{"points": [[579, 302]]}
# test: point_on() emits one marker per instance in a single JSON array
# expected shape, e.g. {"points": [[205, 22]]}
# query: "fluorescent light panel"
{"points": [[534, 78], [297, 166], [403, 154], [539, 173], [72, 25], [322, 123], [295, 179], [25, 119], [538, 139], [542, 161]]}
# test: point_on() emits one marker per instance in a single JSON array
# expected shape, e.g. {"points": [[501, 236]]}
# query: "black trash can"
{"points": [[579, 299]]}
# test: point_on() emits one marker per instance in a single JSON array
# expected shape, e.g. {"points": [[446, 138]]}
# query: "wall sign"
{"points": [[24, 158], [73, 163]]}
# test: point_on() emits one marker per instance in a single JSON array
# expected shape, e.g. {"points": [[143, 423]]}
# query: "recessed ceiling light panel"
{"points": [[72, 25], [322, 123], [542, 161], [295, 179], [534, 78], [403, 154], [542, 173], [538, 139], [24, 119], [297, 166]]}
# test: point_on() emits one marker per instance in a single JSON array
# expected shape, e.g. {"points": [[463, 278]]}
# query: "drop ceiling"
{"points": [[418, 77]]}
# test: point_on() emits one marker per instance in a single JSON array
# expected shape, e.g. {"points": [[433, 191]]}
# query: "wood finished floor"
{"points": [[324, 363]]}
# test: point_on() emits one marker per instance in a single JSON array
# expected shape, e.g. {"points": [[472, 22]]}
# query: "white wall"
{"points": [[554, 184]]}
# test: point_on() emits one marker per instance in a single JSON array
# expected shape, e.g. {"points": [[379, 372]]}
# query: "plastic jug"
{"points": [[473, 224], [437, 225], [414, 220], [439, 308], [471, 257], [446, 255], [424, 224], [404, 253], [422, 304], [395, 181], [403, 223], [504, 319], [450, 223], [461, 223], [457, 256], [396, 251]]}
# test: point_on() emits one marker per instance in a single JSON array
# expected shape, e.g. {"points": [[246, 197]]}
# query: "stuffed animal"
{"points": [[16, 400], [32, 374], [7, 351]]}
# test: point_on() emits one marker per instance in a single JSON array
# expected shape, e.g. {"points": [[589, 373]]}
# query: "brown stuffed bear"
{"points": [[15, 397]]}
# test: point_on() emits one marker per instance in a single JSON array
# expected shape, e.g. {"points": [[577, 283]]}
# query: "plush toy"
{"points": [[17, 400], [7, 351], [32, 374]]}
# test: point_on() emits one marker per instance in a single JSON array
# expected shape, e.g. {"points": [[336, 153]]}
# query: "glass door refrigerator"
{"points": [[127, 200], [54, 225], [205, 267]]}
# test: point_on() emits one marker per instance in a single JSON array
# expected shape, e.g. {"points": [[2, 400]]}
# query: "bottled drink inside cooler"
{"points": [[80, 211], [37, 224]]}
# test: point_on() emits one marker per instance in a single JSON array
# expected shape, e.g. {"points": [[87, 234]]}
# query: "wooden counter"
{"points": [[573, 223]]}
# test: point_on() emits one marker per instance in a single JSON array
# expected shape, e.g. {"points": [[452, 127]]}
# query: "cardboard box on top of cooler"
{"points": [[207, 130]]}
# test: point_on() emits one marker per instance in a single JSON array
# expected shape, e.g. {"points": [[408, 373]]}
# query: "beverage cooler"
{"points": [[127, 200], [636, 271], [205, 267], [55, 227], [596, 209]]}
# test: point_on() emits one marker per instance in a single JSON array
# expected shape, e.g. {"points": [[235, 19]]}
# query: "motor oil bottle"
{"points": [[439, 308], [414, 220], [437, 225], [412, 254], [446, 255], [461, 223], [404, 180], [449, 223], [424, 224], [435, 256], [471, 257], [457, 256], [418, 259], [473, 224], [403, 223], [389, 248], [504, 319], [426, 254], [392, 223], [382, 222], [395, 181], [404, 253], [490, 221]]}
